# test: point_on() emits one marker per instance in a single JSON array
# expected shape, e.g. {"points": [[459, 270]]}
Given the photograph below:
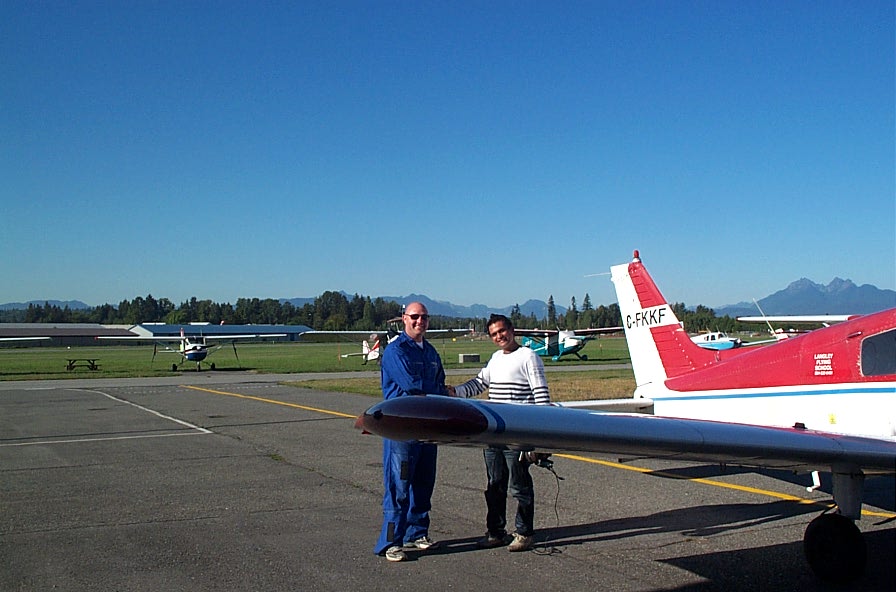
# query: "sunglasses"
{"points": [[414, 317]]}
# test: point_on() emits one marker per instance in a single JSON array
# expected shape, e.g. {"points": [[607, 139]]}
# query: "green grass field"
{"points": [[36, 363]]}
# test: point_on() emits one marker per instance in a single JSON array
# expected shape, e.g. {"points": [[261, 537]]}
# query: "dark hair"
{"points": [[498, 318]]}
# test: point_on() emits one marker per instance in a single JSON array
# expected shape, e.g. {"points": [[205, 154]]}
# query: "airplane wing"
{"points": [[578, 332], [173, 339], [626, 405], [447, 420], [233, 337], [369, 331], [598, 331], [364, 332], [824, 319]]}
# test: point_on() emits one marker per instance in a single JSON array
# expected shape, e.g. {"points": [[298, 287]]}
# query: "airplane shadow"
{"points": [[774, 567], [783, 567], [192, 370], [879, 490], [697, 521]]}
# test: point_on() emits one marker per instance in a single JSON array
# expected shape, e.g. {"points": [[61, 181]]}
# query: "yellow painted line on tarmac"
{"points": [[271, 401], [754, 490], [714, 483]]}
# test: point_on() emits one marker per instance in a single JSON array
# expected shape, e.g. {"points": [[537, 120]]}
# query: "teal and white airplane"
{"points": [[558, 343]]}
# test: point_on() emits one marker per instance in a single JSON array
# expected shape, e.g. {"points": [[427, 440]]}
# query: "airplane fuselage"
{"points": [[839, 379], [194, 352], [566, 343]]}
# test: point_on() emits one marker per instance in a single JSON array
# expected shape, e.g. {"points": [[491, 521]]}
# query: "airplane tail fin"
{"points": [[372, 352], [659, 346]]}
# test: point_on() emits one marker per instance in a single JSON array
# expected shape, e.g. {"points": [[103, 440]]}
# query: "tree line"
{"points": [[334, 311]]}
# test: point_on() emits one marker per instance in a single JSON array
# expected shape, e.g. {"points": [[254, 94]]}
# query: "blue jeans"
{"points": [[506, 471]]}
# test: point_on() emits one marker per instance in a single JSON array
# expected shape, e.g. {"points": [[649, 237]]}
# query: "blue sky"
{"points": [[475, 152]]}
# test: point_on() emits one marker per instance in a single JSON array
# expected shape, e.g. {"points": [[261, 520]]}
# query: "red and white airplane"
{"points": [[821, 401], [372, 350], [369, 352]]}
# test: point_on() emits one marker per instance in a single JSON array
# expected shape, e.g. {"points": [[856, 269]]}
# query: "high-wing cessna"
{"points": [[372, 348], [371, 351], [821, 401], [825, 320], [195, 348], [780, 334], [368, 352], [559, 343]]}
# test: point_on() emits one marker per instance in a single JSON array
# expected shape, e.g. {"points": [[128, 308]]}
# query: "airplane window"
{"points": [[879, 354]]}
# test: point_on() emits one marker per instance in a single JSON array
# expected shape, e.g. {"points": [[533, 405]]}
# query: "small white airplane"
{"points": [[716, 340], [195, 348], [821, 401]]}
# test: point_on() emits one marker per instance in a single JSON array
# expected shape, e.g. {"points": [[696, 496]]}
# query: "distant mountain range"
{"points": [[800, 297], [71, 304], [805, 297], [446, 309]]}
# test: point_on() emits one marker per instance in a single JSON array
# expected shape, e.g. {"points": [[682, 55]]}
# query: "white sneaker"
{"points": [[395, 554], [520, 542], [422, 543]]}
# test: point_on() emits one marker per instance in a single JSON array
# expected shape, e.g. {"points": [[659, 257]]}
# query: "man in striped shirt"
{"points": [[514, 374]]}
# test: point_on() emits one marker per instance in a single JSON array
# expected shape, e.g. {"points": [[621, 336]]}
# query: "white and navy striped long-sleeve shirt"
{"points": [[517, 377]]}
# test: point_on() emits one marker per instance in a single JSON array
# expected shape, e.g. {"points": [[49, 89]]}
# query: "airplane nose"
{"points": [[423, 418]]}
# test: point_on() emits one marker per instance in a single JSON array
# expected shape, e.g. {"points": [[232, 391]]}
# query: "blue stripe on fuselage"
{"points": [[196, 355], [764, 394]]}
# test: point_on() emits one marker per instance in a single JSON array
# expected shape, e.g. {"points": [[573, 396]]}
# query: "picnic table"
{"points": [[89, 363]]}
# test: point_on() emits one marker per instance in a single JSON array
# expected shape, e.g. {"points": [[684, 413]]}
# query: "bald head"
{"points": [[416, 320]]}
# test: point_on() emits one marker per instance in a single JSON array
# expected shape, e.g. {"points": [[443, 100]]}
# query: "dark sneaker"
{"points": [[520, 542], [491, 540], [422, 543], [395, 554]]}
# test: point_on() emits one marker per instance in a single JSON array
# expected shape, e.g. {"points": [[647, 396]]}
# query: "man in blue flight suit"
{"points": [[411, 366]]}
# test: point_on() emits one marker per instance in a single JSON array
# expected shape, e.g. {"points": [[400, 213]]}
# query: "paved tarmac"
{"points": [[229, 481]]}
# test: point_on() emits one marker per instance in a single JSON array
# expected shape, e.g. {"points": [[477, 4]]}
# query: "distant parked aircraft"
{"points": [[559, 343], [195, 348], [372, 348]]}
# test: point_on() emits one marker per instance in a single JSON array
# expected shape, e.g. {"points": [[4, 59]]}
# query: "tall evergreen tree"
{"points": [[572, 315]]}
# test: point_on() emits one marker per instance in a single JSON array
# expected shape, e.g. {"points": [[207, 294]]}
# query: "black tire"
{"points": [[835, 548]]}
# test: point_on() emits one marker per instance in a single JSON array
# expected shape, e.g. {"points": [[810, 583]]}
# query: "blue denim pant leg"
{"points": [[409, 471]]}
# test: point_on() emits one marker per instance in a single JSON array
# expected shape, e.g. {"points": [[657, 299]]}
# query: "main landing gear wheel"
{"points": [[835, 548]]}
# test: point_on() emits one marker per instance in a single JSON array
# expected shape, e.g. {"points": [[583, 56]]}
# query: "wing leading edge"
{"points": [[446, 420]]}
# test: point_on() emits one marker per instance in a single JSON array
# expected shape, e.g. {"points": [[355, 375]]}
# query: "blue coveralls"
{"points": [[409, 468]]}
